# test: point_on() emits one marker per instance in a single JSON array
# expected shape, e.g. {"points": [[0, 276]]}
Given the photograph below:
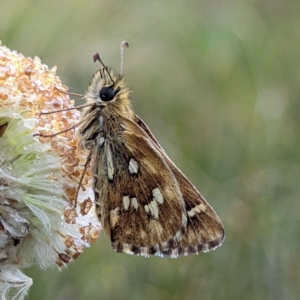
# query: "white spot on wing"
{"points": [[191, 213], [102, 140], [153, 208], [196, 210], [101, 121], [134, 203], [126, 202], [157, 195], [202, 207], [146, 207], [110, 165], [133, 166]]}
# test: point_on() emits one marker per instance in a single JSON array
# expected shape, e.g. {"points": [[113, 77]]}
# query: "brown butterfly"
{"points": [[144, 202]]}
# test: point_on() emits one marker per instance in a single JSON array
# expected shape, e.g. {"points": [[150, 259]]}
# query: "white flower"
{"points": [[39, 223]]}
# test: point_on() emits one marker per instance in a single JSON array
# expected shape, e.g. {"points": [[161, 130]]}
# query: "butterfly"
{"points": [[145, 204]]}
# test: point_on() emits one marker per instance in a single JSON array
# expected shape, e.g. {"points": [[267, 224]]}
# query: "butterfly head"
{"points": [[105, 86]]}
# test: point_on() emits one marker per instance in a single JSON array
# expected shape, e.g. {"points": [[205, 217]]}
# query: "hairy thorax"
{"points": [[101, 123]]}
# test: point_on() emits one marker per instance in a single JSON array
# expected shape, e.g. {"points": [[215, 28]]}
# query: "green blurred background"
{"points": [[218, 84]]}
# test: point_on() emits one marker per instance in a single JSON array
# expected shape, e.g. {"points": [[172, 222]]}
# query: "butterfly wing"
{"points": [[147, 205], [140, 204], [204, 229]]}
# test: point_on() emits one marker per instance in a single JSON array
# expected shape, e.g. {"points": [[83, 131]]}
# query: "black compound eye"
{"points": [[107, 93]]}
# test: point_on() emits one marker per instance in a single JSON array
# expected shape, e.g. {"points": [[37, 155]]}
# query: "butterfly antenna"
{"points": [[124, 44], [97, 57]]}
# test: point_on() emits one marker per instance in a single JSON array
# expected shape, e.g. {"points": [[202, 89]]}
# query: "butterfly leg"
{"points": [[82, 176]]}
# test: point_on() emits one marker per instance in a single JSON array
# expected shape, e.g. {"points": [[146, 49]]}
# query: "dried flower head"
{"points": [[38, 177]]}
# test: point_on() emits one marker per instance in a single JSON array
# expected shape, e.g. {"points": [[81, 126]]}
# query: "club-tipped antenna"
{"points": [[124, 44], [97, 57]]}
